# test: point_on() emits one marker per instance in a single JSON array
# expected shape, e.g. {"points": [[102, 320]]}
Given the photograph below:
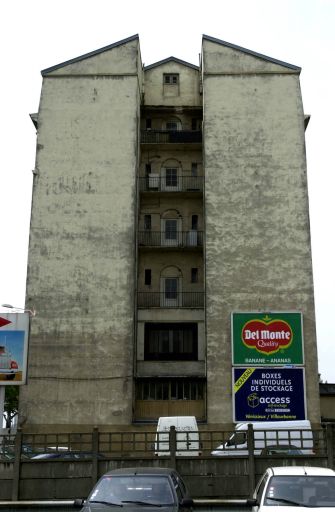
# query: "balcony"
{"points": [[170, 136], [170, 299], [155, 182], [171, 239]]}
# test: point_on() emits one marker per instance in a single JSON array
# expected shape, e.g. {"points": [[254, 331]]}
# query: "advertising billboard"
{"points": [[265, 339], [14, 332], [269, 394]]}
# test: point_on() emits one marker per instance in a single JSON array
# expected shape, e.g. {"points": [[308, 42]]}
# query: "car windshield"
{"points": [[139, 489], [305, 490]]}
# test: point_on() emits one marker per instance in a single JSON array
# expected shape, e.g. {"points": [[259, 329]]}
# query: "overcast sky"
{"points": [[36, 34]]}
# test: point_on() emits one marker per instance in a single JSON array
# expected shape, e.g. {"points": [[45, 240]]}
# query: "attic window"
{"points": [[171, 79]]}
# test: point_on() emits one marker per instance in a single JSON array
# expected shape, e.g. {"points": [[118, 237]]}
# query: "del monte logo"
{"points": [[267, 335]]}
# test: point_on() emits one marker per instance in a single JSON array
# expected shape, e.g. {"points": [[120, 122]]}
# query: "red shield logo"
{"points": [[267, 337]]}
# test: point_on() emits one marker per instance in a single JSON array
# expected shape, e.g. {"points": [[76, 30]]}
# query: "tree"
{"points": [[11, 408]]}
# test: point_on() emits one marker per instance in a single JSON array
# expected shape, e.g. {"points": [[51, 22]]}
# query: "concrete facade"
{"points": [[165, 198]]}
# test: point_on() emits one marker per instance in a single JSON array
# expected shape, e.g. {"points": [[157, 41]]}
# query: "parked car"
{"points": [[294, 487], [281, 449], [8, 366], [267, 433], [66, 455], [138, 489]]}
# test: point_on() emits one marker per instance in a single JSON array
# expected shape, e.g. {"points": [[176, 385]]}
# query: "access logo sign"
{"points": [[269, 394], [273, 338]]}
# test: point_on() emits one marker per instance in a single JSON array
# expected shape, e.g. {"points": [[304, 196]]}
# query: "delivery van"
{"points": [[294, 435], [187, 436]]}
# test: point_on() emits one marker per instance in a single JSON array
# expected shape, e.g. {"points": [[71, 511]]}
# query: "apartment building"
{"points": [[165, 198]]}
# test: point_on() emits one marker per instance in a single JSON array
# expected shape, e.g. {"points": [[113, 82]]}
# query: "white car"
{"points": [[294, 487]]}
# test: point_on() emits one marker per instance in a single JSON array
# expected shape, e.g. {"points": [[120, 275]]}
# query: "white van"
{"points": [[187, 436], [293, 435]]}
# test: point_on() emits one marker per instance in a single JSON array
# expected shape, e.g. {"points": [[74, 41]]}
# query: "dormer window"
{"points": [[171, 79]]}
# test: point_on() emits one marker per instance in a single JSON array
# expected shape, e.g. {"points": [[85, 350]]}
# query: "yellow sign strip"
{"points": [[243, 379]]}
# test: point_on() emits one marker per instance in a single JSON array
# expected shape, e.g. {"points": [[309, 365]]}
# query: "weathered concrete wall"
{"points": [[82, 249], [258, 255], [186, 94]]}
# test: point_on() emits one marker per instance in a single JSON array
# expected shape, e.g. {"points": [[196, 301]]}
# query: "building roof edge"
{"points": [[251, 52], [169, 59], [90, 54]]}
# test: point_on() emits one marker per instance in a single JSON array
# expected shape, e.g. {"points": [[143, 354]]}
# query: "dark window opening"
{"points": [[194, 275], [170, 230], [171, 177], [194, 124], [147, 222], [194, 222], [171, 79], [170, 389], [147, 276], [147, 169], [194, 169], [171, 342], [148, 123]]}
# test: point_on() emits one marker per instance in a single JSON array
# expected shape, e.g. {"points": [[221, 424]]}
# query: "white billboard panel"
{"points": [[14, 333]]}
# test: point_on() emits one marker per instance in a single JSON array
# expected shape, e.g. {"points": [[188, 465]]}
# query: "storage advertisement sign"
{"points": [[269, 394], [14, 330], [260, 339]]}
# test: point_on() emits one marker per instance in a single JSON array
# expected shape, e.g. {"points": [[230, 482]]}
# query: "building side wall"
{"points": [[258, 255], [82, 251]]}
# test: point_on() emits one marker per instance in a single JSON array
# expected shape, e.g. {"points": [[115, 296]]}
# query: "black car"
{"points": [[65, 455], [144, 489]]}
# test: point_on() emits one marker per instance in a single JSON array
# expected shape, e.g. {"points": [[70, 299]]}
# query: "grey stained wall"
{"points": [[82, 251], [258, 255]]}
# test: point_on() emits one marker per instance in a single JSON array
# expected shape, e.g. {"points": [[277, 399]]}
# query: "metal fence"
{"points": [[170, 136], [66, 465], [190, 239], [154, 182], [170, 299]]}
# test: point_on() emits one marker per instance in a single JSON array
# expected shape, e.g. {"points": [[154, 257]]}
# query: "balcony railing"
{"points": [[169, 136], [154, 182], [182, 239], [170, 300]]}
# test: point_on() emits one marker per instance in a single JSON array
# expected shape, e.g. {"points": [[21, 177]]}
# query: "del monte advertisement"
{"points": [[272, 338]]}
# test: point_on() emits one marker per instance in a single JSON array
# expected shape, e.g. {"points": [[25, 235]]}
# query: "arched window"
{"points": [[173, 124], [171, 285], [171, 175], [171, 228]]}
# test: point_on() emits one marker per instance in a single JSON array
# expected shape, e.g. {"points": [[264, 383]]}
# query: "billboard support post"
{"points": [[2, 405]]}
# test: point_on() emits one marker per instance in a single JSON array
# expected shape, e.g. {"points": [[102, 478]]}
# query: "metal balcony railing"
{"points": [[170, 299], [154, 182], [169, 136], [181, 239]]}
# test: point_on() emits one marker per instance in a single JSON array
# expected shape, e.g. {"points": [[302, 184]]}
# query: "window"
{"points": [[171, 342], [194, 169], [147, 222], [170, 231], [171, 79], [194, 275], [170, 389], [147, 169], [171, 288], [194, 124], [172, 126], [148, 123], [147, 276], [194, 222], [171, 177]]}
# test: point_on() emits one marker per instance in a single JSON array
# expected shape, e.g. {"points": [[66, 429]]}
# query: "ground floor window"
{"points": [[170, 389], [169, 397]]}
